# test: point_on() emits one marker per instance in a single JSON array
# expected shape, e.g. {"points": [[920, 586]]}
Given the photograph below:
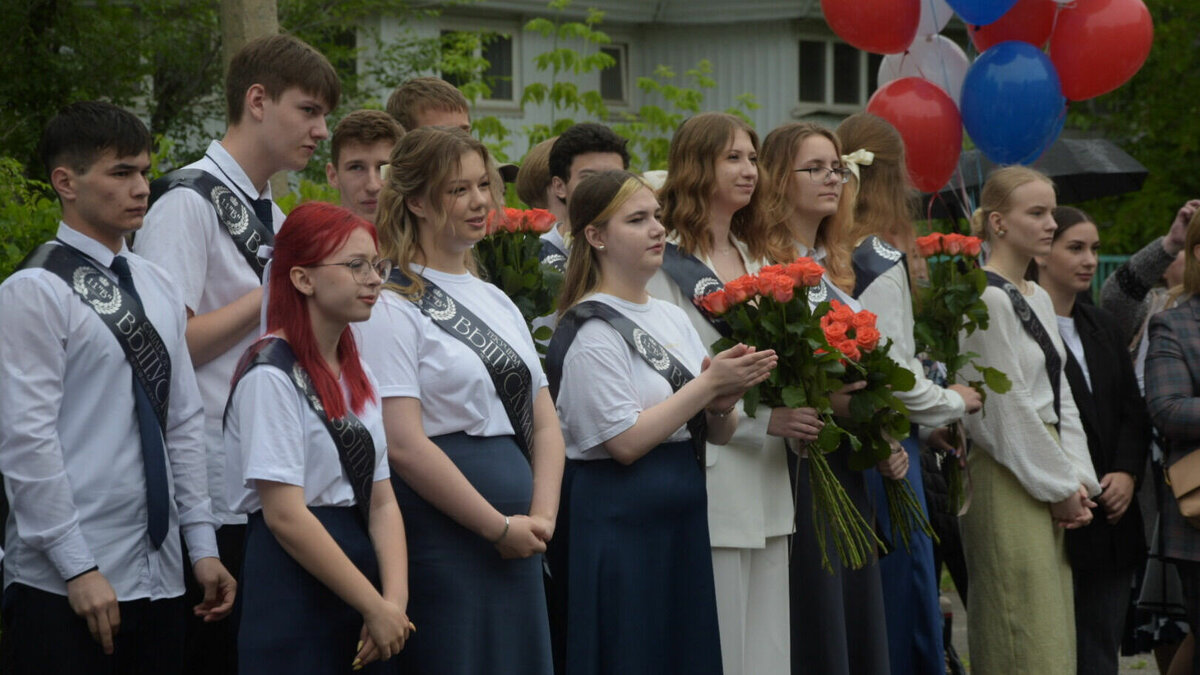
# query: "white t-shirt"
{"points": [[1070, 338], [414, 357], [606, 384], [182, 234], [273, 434]]}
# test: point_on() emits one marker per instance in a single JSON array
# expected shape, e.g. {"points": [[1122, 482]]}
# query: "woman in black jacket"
{"points": [[1106, 554]]}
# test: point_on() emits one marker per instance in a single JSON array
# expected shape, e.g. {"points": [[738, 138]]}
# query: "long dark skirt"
{"points": [[910, 588], [474, 611], [838, 624], [642, 598], [291, 622]]}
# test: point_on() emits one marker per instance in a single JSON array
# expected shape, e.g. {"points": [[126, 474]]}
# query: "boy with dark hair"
{"points": [[102, 437], [362, 144], [206, 224], [580, 151], [429, 102]]}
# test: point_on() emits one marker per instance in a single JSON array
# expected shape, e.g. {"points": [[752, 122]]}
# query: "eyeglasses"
{"points": [[361, 268], [820, 174]]}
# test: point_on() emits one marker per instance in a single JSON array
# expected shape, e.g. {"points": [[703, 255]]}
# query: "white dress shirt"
{"points": [[606, 384], [182, 234], [70, 449], [273, 434], [414, 357], [1069, 333]]}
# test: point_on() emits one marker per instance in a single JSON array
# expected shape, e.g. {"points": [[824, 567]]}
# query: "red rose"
{"points": [[864, 319], [835, 332], [807, 271], [850, 349], [866, 337], [782, 291], [954, 243], [740, 290], [494, 219], [539, 220], [715, 303], [766, 282], [930, 244], [972, 246], [773, 270], [841, 312]]}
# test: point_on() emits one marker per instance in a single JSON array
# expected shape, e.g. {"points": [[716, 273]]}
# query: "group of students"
{"points": [[385, 487]]}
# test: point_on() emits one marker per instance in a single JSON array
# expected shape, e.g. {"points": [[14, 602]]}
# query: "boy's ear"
{"points": [[62, 179], [256, 97], [331, 174]]}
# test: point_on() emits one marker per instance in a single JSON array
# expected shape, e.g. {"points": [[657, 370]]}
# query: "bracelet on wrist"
{"points": [[503, 534]]}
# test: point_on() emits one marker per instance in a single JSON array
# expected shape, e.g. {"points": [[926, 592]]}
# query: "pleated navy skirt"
{"points": [[640, 578], [475, 612], [291, 622]]}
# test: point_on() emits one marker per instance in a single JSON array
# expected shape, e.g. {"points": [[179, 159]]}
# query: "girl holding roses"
{"points": [[802, 179], [1031, 472], [636, 391], [709, 212], [881, 232]]}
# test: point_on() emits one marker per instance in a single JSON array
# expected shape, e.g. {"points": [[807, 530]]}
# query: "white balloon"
{"points": [[935, 58], [935, 14]]}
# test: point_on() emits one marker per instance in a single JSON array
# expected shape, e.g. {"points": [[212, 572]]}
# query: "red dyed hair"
{"points": [[311, 233]]}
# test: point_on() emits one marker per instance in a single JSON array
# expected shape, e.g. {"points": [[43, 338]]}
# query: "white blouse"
{"points": [[413, 357], [890, 298], [1012, 426], [606, 384], [272, 433]]}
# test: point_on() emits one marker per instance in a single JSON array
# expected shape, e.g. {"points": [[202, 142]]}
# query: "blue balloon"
{"points": [[1012, 103], [981, 12]]}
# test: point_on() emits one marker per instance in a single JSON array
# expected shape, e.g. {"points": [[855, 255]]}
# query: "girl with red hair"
{"points": [[325, 566]]}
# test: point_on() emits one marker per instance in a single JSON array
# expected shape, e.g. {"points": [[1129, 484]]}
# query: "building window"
{"points": [[613, 80], [836, 74], [496, 48]]}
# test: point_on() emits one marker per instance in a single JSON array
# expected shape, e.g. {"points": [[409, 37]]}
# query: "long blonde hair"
{"points": [[881, 192], [1191, 264], [421, 165], [996, 193], [775, 175], [593, 203], [691, 178]]}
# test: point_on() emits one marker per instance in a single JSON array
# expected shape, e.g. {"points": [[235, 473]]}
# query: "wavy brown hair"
{"points": [[422, 163], [775, 172], [691, 178]]}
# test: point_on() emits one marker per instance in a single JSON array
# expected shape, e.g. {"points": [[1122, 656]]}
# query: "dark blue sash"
{"points": [[1036, 331], [695, 280], [356, 448], [245, 228], [650, 349], [871, 259], [510, 375], [550, 254], [122, 313]]}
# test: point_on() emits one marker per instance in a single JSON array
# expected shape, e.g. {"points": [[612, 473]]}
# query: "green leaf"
{"points": [[995, 379], [794, 397]]}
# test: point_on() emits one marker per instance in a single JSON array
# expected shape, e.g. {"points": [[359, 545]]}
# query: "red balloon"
{"points": [[1028, 21], [1099, 44], [880, 26], [930, 125]]}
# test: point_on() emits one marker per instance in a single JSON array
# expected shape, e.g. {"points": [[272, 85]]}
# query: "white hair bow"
{"points": [[860, 157]]}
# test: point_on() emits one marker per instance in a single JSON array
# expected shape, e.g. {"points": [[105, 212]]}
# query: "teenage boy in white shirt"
{"points": [[278, 91], [102, 438]]}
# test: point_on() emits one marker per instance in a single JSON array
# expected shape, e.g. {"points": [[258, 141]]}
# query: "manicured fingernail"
{"points": [[359, 648], [357, 665]]}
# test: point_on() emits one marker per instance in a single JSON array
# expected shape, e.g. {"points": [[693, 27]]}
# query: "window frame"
{"points": [[512, 31], [828, 104], [622, 46]]}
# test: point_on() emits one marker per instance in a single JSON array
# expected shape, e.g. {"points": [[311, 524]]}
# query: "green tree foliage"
{"points": [[1156, 118]]}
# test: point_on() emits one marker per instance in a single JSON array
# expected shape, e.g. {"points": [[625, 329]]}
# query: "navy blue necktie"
{"points": [[154, 455], [262, 209]]}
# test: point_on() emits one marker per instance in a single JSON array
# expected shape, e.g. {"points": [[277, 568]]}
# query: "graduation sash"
{"points": [[510, 375], [123, 314], [1036, 331], [237, 219], [552, 255], [651, 350], [695, 280], [356, 448], [871, 259]]}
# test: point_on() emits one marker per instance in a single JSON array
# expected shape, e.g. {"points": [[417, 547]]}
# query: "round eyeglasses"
{"points": [[821, 174], [361, 268]]}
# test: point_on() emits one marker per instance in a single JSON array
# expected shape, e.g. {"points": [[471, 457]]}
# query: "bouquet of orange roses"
{"points": [[509, 257], [950, 306], [771, 310], [878, 419]]}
